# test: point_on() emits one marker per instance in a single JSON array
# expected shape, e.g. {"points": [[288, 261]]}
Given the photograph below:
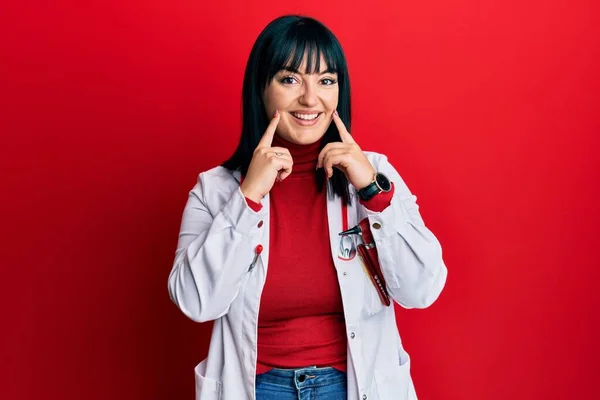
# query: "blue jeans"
{"points": [[308, 383]]}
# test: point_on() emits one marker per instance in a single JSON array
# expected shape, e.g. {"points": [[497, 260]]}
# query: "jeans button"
{"points": [[301, 378]]}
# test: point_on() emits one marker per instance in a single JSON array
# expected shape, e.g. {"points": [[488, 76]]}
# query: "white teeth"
{"points": [[306, 117]]}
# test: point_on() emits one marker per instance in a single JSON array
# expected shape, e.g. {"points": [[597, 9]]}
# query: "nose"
{"points": [[308, 97]]}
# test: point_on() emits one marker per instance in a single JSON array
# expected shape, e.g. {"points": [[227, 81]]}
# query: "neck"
{"points": [[304, 155]]}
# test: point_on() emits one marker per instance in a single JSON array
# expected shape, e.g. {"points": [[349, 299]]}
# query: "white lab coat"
{"points": [[211, 280]]}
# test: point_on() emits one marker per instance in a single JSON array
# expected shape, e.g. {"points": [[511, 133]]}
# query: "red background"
{"points": [[488, 108]]}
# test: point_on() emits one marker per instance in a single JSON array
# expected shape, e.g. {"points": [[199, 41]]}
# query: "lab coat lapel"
{"points": [[266, 203], [334, 217]]}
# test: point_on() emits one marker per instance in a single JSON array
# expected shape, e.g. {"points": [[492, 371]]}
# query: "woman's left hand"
{"points": [[346, 156]]}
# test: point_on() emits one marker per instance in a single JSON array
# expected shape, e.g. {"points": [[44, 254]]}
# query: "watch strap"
{"points": [[368, 192]]}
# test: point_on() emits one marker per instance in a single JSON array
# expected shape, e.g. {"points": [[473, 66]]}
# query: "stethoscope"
{"points": [[347, 246]]}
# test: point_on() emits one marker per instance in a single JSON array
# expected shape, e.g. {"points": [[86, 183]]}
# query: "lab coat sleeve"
{"points": [[410, 255], [213, 254]]}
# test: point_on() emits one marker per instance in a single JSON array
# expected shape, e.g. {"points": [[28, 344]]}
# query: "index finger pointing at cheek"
{"points": [[344, 134], [267, 138]]}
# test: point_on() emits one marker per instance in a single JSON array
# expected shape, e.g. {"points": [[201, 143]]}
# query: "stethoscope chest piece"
{"points": [[347, 247]]}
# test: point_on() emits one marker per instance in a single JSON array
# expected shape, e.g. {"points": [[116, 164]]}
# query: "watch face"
{"points": [[383, 182]]}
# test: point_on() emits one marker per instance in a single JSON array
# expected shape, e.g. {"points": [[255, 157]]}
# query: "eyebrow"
{"points": [[290, 69]]}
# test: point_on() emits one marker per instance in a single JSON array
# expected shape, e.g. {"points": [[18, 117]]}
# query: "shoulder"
{"points": [[218, 174], [381, 163], [216, 180], [375, 158], [215, 186]]}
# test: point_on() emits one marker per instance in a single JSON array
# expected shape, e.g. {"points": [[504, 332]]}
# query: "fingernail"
{"points": [[336, 113], [276, 113]]}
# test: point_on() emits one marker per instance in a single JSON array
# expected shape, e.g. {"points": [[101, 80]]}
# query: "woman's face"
{"points": [[305, 102]]}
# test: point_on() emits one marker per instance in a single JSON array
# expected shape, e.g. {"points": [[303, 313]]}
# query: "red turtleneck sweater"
{"points": [[301, 317]]}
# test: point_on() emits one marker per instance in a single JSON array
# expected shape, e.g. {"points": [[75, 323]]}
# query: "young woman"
{"points": [[296, 314]]}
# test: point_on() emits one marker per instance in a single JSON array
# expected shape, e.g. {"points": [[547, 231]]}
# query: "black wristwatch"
{"points": [[381, 183]]}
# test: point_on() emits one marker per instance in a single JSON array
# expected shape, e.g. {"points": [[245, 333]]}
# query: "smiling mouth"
{"points": [[306, 117]]}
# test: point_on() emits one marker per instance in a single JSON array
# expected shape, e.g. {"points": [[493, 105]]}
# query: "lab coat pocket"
{"points": [[372, 303], [394, 382], [206, 388]]}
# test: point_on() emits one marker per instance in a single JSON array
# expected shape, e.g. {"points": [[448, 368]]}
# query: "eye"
{"points": [[328, 82], [288, 80]]}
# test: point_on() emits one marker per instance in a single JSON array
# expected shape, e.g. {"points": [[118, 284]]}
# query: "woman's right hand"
{"points": [[268, 164]]}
